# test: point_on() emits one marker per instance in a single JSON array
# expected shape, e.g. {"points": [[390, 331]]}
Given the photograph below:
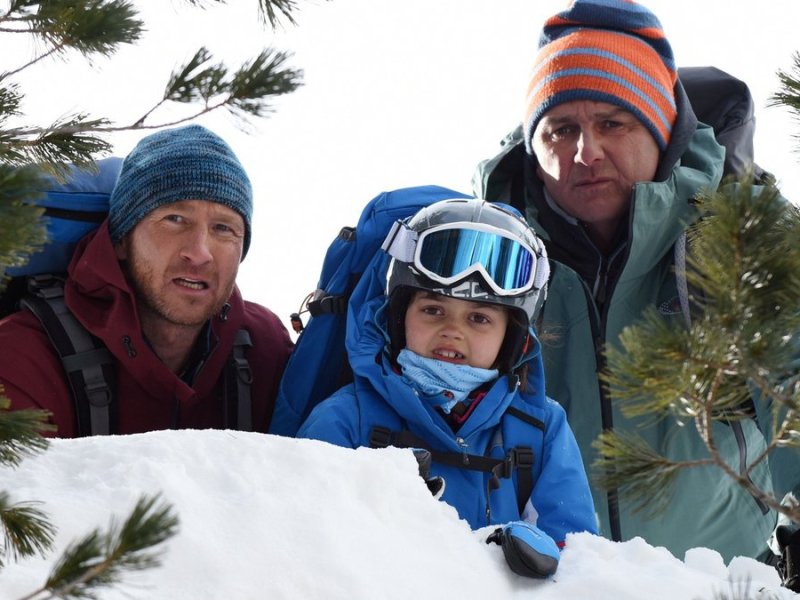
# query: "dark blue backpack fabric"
{"points": [[318, 365], [71, 210]]}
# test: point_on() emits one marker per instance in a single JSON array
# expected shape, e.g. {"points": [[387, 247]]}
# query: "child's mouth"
{"points": [[449, 355]]}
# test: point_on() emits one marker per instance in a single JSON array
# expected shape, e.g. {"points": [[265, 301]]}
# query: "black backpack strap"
{"points": [[520, 458], [523, 416], [524, 459], [238, 380], [88, 364]]}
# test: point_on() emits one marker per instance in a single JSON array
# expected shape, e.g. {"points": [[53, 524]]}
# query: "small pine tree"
{"points": [[745, 259], [27, 153], [743, 344]]}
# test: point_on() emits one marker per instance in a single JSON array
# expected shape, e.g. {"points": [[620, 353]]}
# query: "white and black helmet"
{"points": [[473, 250]]}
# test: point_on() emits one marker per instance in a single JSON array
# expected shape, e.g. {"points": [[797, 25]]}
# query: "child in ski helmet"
{"points": [[446, 361], [473, 251]]}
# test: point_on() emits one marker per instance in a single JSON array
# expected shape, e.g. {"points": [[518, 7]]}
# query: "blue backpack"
{"points": [[318, 365], [73, 209]]}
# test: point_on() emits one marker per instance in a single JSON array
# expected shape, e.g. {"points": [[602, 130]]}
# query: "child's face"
{"points": [[456, 331]]}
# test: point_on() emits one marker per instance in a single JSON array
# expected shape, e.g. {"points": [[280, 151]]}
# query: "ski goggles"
{"points": [[449, 253]]}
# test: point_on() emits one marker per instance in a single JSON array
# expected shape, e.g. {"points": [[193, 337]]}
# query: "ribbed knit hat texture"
{"points": [[608, 51], [185, 163]]}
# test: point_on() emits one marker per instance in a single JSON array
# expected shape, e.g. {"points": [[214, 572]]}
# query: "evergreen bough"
{"points": [[100, 27], [744, 267], [743, 343]]}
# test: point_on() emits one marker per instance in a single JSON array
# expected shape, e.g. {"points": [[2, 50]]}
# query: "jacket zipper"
{"points": [[600, 296], [741, 443]]}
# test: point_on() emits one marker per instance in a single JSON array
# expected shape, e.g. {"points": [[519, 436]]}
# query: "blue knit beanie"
{"points": [[185, 163]]}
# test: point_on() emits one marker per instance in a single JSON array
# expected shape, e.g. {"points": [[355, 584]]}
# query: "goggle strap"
{"points": [[542, 271], [401, 242]]}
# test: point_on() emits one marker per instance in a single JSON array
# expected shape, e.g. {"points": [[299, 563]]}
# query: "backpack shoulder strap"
{"points": [[238, 381], [524, 458], [519, 458], [88, 364], [523, 416]]}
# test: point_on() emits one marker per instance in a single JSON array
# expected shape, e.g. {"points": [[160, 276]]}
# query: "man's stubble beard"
{"points": [[150, 301]]}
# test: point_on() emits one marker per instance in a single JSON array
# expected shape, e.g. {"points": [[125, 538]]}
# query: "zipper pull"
{"points": [[128, 343]]}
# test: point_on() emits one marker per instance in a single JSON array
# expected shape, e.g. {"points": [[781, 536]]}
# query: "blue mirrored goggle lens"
{"points": [[449, 253]]}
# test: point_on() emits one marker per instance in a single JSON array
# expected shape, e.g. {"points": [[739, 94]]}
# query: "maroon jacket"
{"points": [[150, 397]]}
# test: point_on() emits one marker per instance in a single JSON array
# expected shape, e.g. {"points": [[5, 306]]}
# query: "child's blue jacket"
{"points": [[561, 501]]}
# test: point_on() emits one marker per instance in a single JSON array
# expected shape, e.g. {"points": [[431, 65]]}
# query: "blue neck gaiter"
{"points": [[441, 383]]}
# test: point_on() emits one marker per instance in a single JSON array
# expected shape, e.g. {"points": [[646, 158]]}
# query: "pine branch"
{"points": [[20, 432], [88, 26], [789, 93], [76, 138], [21, 232], [101, 559], [247, 92], [272, 11], [745, 265], [260, 80], [10, 100], [627, 463], [26, 530]]}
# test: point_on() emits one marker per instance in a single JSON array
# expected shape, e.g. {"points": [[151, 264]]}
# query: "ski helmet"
{"points": [[473, 250]]}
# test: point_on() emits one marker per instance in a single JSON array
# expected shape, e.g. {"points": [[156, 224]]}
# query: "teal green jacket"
{"points": [[592, 298]]}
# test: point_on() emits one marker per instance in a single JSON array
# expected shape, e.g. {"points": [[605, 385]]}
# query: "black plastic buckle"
{"points": [[327, 304], [523, 457], [45, 285], [243, 371], [99, 394], [380, 437]]}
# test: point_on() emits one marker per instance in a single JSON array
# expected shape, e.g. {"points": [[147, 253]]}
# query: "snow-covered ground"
{"points": [[269, 517]]}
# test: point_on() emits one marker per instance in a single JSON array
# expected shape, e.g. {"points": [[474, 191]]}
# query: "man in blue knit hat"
{"points": [[156, 283], [605, 165]]}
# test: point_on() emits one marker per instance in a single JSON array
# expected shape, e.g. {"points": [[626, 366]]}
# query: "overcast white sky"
{"points": [[396, 94]]}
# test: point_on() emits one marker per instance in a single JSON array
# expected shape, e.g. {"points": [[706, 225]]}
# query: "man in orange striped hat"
{"points": [[605, 165], [600, 110]]}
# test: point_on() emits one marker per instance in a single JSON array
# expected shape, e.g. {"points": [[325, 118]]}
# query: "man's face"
{"points": [[182, 260], [590, 154]]}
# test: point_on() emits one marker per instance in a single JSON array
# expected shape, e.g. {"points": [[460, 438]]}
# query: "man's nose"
{"points": [[589, 148], [196, 247]]}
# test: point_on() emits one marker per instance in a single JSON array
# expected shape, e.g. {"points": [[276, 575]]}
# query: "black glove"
{"points": [[789, 562], [529, 551], [435, 484]]}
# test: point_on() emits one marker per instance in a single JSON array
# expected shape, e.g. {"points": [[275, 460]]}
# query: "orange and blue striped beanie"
{"points": [[608, 51]]}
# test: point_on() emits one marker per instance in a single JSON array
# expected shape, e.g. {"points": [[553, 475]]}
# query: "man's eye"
{"points": [[481, 319], [174, 218], [431, 310], [562, 133], [609, 124]]}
